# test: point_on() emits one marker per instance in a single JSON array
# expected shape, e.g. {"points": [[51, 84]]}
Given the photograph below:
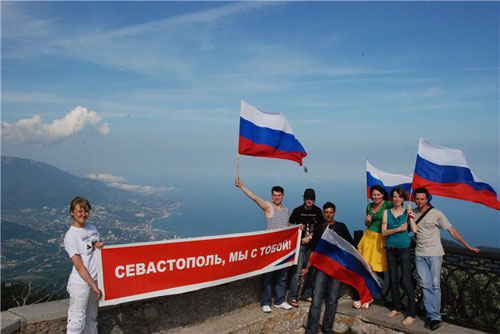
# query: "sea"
{"points": [[216, 209]]}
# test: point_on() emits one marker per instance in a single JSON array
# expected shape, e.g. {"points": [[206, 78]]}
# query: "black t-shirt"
{"points": [[309, 218], [338, 227]]}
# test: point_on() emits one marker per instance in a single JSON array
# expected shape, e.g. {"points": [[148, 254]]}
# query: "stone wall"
{"points": [[148, 316], [231, 308]]}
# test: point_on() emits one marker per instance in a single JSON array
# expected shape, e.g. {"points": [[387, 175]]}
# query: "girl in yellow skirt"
{"points": [[372, 244]]}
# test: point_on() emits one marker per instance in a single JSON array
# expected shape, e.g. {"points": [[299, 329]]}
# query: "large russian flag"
{"points": [[444, 172], [269, 135], [387, 180], [339, 259]]}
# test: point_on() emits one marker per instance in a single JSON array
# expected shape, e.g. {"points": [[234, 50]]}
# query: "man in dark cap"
{"points": [[307, 215]]}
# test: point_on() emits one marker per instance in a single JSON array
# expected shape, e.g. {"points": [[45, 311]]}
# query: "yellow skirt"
{"points": [[372, 247]]}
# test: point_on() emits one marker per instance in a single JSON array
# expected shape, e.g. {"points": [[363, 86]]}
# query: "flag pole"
{"points": [[367, 197], [413, 176], [238, 167]]}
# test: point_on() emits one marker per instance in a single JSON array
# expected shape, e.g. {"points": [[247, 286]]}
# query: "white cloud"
{"points": [[118, 182], [106, 178], [35, 130]]}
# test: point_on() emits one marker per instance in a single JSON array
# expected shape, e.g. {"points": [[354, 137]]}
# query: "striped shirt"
{"points": [[279, 218]]}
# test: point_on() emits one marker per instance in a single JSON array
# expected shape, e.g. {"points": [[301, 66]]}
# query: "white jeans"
{"points": [[82, 312]]}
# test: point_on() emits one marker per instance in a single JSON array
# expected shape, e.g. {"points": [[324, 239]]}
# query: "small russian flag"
{"points": [[387, 180]]}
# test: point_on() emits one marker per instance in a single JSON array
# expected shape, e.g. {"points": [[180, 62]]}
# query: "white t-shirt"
{"points": [[81, 241]]}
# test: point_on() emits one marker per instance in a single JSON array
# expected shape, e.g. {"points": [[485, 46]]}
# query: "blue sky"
{"points": [[148, 93]]}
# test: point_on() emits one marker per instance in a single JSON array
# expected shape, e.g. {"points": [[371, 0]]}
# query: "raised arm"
{"points": [[264, 205], [454, 233], [368, 220], [411, 217]]}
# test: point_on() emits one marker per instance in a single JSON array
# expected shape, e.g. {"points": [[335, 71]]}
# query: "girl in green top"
{"points": [[372, 244]]}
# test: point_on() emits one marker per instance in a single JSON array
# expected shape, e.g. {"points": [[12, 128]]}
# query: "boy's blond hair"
{"points": [[81, 201]]}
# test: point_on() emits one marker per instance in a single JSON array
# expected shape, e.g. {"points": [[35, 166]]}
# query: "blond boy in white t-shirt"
{"points": [[81, 241]]}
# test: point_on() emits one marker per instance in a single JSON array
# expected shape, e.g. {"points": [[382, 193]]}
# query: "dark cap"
{"points": [[309, 194]]}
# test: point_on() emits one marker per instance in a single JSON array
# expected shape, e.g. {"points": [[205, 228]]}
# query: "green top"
{"points": [[399, 239], [376, 225]]}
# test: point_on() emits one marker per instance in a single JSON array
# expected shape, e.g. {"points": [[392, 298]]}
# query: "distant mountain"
{"points": [[33, 184], [452, 243], [35, 199], [489, 249]]}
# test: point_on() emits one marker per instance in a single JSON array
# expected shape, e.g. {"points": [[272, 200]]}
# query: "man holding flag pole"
{"points": [[426, 224], [276, 217], [444, 172], [269, 135]]}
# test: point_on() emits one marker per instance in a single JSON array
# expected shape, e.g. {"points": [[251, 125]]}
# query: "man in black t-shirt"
{"points": [[307, 215], [322, 282]]}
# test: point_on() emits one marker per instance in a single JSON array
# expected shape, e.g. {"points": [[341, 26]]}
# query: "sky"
{"points": [[146, 95]]}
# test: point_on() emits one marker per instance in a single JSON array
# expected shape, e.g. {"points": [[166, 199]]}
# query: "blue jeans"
{"points": [[401, 257], [429, 271], [321, 282], [275, 280], [293, 294]]}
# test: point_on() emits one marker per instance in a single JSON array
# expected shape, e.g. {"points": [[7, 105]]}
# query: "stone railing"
{"points": [[470, 298], [148, 316], [470, 289]]}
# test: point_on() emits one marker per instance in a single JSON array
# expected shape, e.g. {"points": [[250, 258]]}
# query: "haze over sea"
{"points": [[215, 208]]}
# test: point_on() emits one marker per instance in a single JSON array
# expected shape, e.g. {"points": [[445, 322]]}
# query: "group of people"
{"points": [[385, 245]]}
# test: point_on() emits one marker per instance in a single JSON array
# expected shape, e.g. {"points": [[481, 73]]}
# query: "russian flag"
{"points": [[387, 180], [444, 172], [340, 260], [269, 135]]}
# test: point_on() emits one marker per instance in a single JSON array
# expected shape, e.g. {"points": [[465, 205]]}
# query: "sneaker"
{"points": [[284, 306], [266, 309], [435, 324], [365, 305], [427, 323]]}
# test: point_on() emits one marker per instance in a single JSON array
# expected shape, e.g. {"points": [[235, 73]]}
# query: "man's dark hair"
{"points": [[278, 189], [328, 205], [401, 192], [381, 190], [422, 190]]}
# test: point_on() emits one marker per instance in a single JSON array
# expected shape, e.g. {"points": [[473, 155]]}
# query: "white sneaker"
{"points": [[266, 309], [284, 306]]}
